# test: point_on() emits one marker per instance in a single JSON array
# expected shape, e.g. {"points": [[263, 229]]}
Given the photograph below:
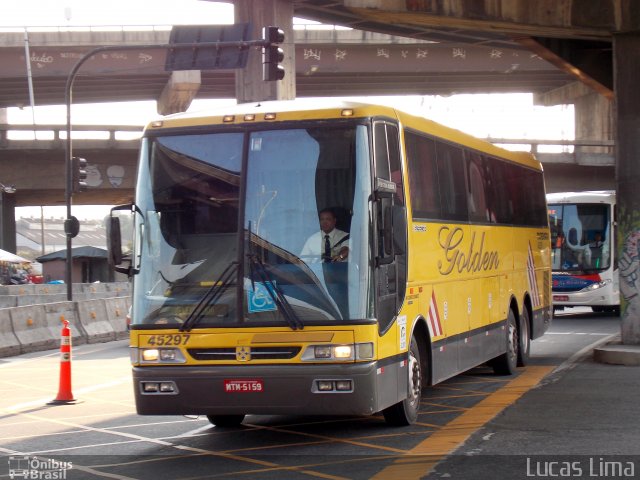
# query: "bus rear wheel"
{"points": [[507, 363], [525, 339], [225, 420], [406, 412]]}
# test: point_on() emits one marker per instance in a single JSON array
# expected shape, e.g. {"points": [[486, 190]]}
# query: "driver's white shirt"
{"points": [[314, 246]]}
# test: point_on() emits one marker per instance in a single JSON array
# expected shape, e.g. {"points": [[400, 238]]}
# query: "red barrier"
{"points": [[64, 396]]}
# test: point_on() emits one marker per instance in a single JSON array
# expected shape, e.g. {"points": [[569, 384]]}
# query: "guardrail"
{"points": [[57, 132], [36, 322], [535, 144], [47, 137], [110, 133]]}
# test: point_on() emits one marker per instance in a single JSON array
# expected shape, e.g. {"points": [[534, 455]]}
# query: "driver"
{"points": [[329, 244]]}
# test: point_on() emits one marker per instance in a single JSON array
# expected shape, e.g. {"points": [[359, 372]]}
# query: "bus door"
{"points": [[390, 224]]}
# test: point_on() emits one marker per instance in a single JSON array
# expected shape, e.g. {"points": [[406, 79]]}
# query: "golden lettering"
{"points": [[472, 259]]}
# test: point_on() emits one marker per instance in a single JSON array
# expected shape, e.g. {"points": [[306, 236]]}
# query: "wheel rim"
{"points": [[524, 336], [513, 342], [415, 385]]}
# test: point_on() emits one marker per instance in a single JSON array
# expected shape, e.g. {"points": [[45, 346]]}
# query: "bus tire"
{"points": [[524, 335], [225, 421], [507, 363], [406, 412]]}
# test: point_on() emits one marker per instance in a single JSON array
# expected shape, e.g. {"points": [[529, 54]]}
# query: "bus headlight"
{"points": [[161, 355], [358, 351], [343, 351], [597, 285]]}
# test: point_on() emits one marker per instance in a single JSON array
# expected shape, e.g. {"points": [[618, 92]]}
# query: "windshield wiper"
{"points": [[211, 296], [275, 293]]}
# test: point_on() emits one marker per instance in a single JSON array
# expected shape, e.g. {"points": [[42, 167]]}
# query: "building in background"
{"points": [[40, 236]]}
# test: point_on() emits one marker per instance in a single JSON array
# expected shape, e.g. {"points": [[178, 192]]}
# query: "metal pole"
{"points": [[67, 95], [27, 56], [42, 228], [68, 275]]}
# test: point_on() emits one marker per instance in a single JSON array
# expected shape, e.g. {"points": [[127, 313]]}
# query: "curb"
{"points": [[618, 354]]}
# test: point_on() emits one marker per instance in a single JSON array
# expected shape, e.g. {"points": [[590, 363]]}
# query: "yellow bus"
{"points": [[439, 260]]}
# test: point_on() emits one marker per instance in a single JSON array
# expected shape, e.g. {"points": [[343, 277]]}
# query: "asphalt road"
{"points": [[473, 424]]}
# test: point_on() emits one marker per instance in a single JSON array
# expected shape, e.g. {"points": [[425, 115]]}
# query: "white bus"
{"points": [[583, 239]]}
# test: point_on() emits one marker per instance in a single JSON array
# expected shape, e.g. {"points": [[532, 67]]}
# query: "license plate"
{"points": [[561, 298], [243, 386]]}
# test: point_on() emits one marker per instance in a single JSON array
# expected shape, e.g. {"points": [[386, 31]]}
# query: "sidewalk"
{"points": [[584, 417]]}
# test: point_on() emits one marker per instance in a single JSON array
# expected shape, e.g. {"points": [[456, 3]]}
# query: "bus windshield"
{"points": [[226, 220], [580, 237]]}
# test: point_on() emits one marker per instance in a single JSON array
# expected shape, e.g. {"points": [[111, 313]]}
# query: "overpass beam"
{"points": [[179, 92], [626, 74], [249, 84]]}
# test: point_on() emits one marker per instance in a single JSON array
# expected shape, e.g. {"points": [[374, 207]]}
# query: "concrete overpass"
{"points": [[327, 63]]}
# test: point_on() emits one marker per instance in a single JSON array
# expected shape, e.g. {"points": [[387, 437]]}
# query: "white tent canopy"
{"points": [[12, 257]]}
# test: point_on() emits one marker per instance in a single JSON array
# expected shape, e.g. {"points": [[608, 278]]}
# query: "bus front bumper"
{"points": [[267, 389], [601, 297]]}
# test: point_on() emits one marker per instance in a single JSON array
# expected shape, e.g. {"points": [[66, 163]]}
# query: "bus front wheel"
{"points": [[406, 412], [225, 420]]}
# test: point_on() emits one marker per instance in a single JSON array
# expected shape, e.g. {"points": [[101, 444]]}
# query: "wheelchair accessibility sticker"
{"points": [[260, 300]]}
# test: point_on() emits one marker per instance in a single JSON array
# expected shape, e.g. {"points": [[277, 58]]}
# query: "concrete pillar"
{"points": [[627, 105], [7, 221], [249, 84], [179, 92], [3, 121], [594, 120]]}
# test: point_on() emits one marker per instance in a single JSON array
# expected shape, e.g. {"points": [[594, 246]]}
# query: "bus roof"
{"points": [[331, 108], [593, 196]]}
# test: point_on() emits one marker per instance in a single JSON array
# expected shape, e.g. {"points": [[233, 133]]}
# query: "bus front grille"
{"points": [[257, 353]]}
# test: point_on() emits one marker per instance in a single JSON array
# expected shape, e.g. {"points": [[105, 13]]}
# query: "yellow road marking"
{"points": [[465, 395], [420, 460], [444, 407], [328, 438]]}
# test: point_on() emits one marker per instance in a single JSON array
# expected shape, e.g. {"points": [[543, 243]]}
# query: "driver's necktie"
{"points": [[327, 249]]}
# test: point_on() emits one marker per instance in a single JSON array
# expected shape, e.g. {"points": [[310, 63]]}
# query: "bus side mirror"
{"points": [[114, 242], [399, 214], [114, 246]]}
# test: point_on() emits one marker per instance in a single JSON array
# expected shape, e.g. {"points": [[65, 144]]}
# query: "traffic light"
{"points": [[79, 170], [272, 54]]}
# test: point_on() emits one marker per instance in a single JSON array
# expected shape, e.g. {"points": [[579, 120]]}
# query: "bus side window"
{"points": [[453, 191], [424, 190], [500, 203], [477, 198], [381, 151], [394, 162]]}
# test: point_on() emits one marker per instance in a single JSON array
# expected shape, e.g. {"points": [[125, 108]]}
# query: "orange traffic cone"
{"points": [[65, 396]]}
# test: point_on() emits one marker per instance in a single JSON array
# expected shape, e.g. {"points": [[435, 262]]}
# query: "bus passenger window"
{"points": [[423, 176], [453, 192], [478, 208]]}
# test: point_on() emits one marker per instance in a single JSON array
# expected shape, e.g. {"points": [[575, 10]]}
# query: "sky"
{"points": [[496, 115]]}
